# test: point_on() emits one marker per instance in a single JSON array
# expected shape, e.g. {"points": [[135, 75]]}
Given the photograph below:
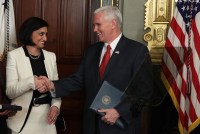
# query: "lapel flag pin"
{"points": [[117, 52]]}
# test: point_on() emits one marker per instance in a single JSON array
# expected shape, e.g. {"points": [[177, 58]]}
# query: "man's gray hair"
{"points": [[111, 12]]}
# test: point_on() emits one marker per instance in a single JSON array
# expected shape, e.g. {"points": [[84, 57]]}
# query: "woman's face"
{"points": [[39, 37]]}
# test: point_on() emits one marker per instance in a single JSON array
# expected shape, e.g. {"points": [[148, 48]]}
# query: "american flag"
{"points": [[181, 63], [8, 39]]}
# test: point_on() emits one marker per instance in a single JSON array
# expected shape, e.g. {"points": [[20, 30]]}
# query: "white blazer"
{"points": [[20, 83]]}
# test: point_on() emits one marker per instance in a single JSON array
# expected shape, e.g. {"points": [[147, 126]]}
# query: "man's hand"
{"points": [[111, 115]]}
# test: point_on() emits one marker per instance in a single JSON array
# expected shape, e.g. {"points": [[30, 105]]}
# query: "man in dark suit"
{"points": [[126, 58]]}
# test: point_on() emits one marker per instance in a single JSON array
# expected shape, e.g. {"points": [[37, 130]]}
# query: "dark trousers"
{"points": [[97, 124], [3, 125]]}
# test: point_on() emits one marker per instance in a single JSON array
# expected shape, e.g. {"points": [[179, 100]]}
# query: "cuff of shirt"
{"points": [[53, 93]]}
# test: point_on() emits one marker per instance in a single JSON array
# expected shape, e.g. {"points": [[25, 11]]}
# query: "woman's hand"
{"points": [[53, 114], [8, 112]]}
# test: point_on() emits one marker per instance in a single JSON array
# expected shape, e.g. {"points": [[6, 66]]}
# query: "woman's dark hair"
{"points": [[27, 28]]}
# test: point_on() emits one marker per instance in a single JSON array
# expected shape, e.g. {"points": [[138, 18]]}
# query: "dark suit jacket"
{"points": [[122, 67]]}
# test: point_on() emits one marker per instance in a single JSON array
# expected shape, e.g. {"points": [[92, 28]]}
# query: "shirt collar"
{"points": [[113, 44]]}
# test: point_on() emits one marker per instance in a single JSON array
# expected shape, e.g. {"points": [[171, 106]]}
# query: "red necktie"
{"points": [[105, 61]]}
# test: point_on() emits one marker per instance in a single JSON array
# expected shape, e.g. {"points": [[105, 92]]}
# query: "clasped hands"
{"points": [[43, 84]]}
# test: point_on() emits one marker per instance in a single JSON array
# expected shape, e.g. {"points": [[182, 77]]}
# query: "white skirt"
{"points": [[37, 122]]}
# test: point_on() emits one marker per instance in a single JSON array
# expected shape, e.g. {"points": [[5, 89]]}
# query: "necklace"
{"points": [[34, 57]]}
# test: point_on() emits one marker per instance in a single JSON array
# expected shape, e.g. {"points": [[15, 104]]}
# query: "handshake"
{"points": [[43, 84]]}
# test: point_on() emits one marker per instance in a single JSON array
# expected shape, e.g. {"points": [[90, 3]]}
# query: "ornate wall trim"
{"points": [[158, 14]]}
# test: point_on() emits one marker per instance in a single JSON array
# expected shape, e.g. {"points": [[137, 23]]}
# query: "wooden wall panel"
{"points": [[25, 9], [50, 11], [73, 21]]}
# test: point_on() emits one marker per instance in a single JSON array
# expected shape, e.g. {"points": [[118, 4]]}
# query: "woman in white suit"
{"points": [[25, 67]]}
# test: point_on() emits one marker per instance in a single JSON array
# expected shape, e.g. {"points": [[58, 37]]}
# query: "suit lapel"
{"points": [[27, 69], [97, 61], [114, 56]]}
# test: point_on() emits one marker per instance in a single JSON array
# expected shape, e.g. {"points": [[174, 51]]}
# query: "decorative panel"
{"points": [[158, 14], [50, 11], [73, 32]]}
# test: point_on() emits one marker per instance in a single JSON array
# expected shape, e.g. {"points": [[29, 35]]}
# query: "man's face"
{"points": [[102, 27]]}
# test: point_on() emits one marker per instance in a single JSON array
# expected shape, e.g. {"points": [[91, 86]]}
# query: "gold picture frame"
{"points": [[109, 3]]}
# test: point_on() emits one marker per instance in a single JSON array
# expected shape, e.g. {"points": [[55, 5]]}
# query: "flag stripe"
{"points": [[196, 37]]}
